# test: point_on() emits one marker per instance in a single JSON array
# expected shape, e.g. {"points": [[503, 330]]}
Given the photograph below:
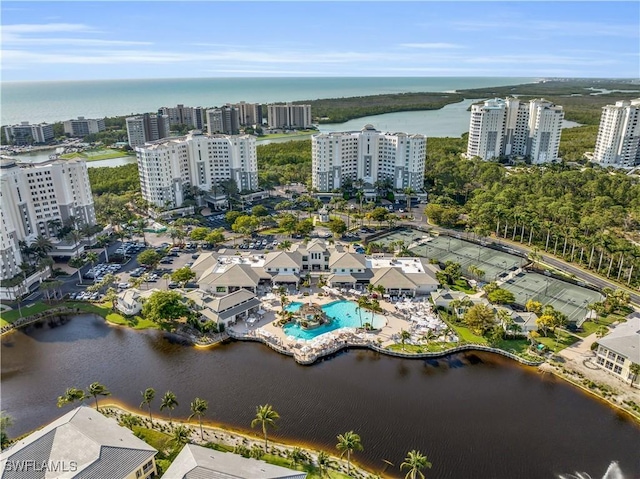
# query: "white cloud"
{"points": [[45, 28], [437, 46]]}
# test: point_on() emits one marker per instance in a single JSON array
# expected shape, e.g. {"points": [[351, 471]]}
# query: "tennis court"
{"points": [[567, 298], [495, 264]]}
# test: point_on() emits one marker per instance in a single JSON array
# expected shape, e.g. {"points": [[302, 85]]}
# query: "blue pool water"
{"points": [[344, 313]]}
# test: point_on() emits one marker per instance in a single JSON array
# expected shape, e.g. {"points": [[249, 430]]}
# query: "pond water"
{"points": [[474, 415]]}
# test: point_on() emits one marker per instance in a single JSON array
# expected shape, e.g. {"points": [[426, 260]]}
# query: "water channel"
{"points": [[474, 415]]}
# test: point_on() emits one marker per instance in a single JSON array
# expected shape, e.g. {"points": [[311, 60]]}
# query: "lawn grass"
{"points": [[96, 155], [564, 340], [103, 310], [590, 327], [467, 335], [430, 347], [462, 285], [157, 439], [515, 345], [287, 135], [136, 322]]}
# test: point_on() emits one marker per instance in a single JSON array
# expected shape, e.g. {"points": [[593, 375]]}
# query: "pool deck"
{"points": [[304, 352]]}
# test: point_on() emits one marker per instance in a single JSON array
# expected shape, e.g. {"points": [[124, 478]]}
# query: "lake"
{"points": [[474, 415]]}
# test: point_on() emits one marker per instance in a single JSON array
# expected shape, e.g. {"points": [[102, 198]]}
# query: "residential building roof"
{"points": [[239, 275], [347, 261], [625, 339], [283, 259], [96, 444], [197, 462], [392, 278], [204, 262]]}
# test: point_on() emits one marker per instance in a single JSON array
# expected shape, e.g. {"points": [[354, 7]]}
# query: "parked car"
{"points": [[173, 285]]}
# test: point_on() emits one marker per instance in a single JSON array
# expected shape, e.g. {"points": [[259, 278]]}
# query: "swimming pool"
{"points": [[344, 313]]}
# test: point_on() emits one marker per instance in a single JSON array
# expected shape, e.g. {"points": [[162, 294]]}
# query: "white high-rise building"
{"points": [[36, 201], [368, 155], [289, 116], [26, 134], [83, 126], [618, 141], [144, 128], [248, 113], [512, 127], [168, 167]]}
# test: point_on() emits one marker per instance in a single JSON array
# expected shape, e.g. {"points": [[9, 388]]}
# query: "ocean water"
{"points": [[62, 100]]}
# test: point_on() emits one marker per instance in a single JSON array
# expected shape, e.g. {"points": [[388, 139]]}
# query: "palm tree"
{"points": [[198, 408], [103, 242], [147, 396], [265, 416], [363, 303], [415, 462], [408, 191], [634, 371], [166, 277], [70, 396], [404, 336], [180, 436], [348, 443], [42, 246], [91, 257], [284, 245], [170, 402], [96, 389], [324, 462]]}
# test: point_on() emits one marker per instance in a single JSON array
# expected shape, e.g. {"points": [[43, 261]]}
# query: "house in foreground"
{"points": [[81, 444], [619, 349], [201, 462]]}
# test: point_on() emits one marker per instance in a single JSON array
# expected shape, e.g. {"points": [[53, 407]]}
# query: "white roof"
{"points": [[625, 339], [197, 462], [97, 444]]}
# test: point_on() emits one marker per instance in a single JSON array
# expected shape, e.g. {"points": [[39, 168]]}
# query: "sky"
{"points": [[79, 40]]}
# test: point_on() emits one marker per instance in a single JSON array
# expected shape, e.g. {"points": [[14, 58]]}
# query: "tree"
{"points": [[501, 296], [348, 443], [246, 225], [545, 322], [170, 402], [231, 217], [363, 303], [180, 436], [634, 371], [198, 408], [183, 275], [70, 396], [415, 462], [404, 336], [103, 242], [149, 258], [148, 395], [533, 306], [6, 422], [337, 226], [78, 262], [285, 245], [215, 237], [266, 416], [96, 389], [479, 318], [259, 210], [129, 421], [42, 246], [324, 462], [164, 308], [200, 233]]}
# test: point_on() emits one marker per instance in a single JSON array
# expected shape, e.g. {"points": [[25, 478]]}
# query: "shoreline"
{"points": [[544, 366], [229, 436]]}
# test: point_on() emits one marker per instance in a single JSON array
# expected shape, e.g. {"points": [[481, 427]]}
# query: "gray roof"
{"points": [[240, 275], [392, 278], [204, 262], [283, 259], [341, 278], [286, 278], [347, 261], [197, 462], [97, 444], [624, 340]]}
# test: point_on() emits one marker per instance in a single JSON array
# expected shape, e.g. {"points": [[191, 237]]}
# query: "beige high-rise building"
{"points": [[144, 128], [289, 116], [515, 128], [168, 167], [618, 141], [368, 155], [36, 201], [248, 113]]}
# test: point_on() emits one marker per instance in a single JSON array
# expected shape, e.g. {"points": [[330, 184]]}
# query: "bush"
{"points": [[594, 346]]}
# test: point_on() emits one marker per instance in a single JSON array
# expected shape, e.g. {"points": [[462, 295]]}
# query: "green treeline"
{"points": [[586, 215], [339, 110], [117, 180], [283, 163]]}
